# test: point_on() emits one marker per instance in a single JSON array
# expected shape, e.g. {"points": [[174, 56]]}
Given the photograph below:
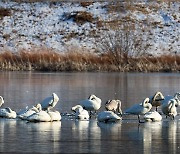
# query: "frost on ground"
{"points": [[59, 25]]}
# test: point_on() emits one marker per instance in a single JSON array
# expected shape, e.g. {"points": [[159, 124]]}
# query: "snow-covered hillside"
{"points": [[59, 25]]}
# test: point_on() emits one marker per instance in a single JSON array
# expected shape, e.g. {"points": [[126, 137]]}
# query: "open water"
{"points": [[21, 89]]}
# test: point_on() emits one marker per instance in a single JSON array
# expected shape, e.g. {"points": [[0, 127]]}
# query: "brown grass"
{"points": [[47, 60], [80, 17]]}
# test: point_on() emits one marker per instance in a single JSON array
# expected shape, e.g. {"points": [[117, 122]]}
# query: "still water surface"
{"points": [[20, 89]]}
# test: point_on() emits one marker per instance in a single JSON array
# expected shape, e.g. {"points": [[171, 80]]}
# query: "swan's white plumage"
{"points": [[93, 103], [50, 102], [55, 115], [140, 109], [169, 97], [24, 114], [152, 116], [1, 101], [7, 113], [41, 116], [169, 108], [80, 113], [108, 116]]}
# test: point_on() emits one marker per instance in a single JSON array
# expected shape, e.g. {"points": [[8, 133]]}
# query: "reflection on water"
{"points": [[28, 88], [73, 136], [156, 137], [19, 136]]}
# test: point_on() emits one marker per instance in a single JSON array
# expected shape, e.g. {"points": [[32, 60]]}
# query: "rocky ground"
{"points": [[61, 25]]}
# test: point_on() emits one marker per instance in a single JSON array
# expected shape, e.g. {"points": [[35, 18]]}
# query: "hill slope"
{"points": [[152, 26]]}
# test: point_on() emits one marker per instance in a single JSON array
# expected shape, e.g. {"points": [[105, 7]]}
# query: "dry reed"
{"points": [[47, 60]]}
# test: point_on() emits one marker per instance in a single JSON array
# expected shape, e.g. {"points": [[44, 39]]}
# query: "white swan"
{"points": [[1, 101], [24, 114], [7, 113], [169, 108], [108, 116], [80, 113], [113, 105], [44, 116], [93, 103], [140, 109], [169, 97], [156, 99], [50, 102], [152, 116], [41, 116]]}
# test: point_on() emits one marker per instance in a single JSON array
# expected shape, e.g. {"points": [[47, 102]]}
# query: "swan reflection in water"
{"points": [[113, 127], [152, 135], [7, 125], [169, 131], [88, 135], [47, 133]]}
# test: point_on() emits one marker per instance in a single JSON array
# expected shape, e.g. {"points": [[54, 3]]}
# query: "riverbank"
{"points": [[122, 36], [77, 60]]}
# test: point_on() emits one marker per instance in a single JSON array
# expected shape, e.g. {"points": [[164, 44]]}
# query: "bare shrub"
{"points": [[122, 44], [79, 17], [4, 12], [86, 3]]}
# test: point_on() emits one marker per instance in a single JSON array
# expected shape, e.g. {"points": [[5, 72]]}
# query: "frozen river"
{"points": [[21, 89]]}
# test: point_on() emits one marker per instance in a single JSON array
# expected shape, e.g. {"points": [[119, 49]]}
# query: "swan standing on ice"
{"points": [[152, 116], [80, 113], [93, 103], [156, 99], [140, 109], [49, 102], [169, 97], [1, 101], [7, 113], [108, 116], [113, 105], [169, 108], [27, 112]]}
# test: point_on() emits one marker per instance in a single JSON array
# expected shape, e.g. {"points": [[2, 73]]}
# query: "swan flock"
{"points": [[85, 109]]}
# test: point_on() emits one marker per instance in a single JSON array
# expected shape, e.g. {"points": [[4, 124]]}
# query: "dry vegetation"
{"points": [[80, 17], [47, 60], [4, 12]]}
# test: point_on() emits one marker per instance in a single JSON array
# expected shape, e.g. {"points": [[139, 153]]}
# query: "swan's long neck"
{"points": [[8, 109], [1, 101], [146, 104], [172, 105], [77, 108], [154, 97], [158, 94], [119, 107], [177, 96], [55, 98]]}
